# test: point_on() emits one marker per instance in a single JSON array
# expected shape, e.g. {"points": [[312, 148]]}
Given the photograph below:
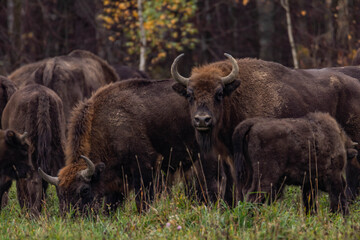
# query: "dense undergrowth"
{"points": [[176, 216]]}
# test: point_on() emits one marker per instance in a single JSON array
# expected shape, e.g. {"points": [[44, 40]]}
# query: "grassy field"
{"points": [[175, 216]]}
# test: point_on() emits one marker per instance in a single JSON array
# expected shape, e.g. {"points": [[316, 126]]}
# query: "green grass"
{"points": [[175, 216]]}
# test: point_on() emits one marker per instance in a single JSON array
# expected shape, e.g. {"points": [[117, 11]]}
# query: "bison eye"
{"points": [[190, 96], [84, 192], [219, 96]]}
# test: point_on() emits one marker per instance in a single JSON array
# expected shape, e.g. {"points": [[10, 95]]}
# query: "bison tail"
{"points": [[41, 133], [49, 152], [242, 161]]}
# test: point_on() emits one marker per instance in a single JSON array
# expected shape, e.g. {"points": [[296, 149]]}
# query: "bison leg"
{"points": [[30, 193], [337, 195], [4, 190], [231, 190], [308, 196]]}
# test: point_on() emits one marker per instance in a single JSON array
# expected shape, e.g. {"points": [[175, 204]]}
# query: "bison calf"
{"points": [[310, 152]]}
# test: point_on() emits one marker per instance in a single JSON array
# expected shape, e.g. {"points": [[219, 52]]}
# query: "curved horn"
{"points": [[23, 136], [87, 173], [48, 178], [175, 74], [235, 70]]}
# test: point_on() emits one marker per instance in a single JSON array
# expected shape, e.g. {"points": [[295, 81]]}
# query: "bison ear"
{"points": [[351, 153], [180, 89], [12, 139], [99, 168], [229, 88]]}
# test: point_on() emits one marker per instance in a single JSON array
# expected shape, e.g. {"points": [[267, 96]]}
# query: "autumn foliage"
{"points": [[167, 25]]}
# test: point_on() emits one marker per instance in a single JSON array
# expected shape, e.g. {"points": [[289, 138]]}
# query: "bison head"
{"points": [[78, 188], [206, 90], [14, 154]]}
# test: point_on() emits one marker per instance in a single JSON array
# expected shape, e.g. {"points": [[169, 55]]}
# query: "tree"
{"points": [[167, 26]]}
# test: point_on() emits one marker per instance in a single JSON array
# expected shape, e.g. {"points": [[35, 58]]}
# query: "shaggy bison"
{"points": [[14, 160], [73, 77], [310, 152], [115, 139], [38, 111], [222, 94]]}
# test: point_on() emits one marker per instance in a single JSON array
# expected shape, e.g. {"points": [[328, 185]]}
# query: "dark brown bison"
{"points": [[14, 162], [310, 152], [224, 93], [115, 139], [73, 77], [126, 72], [37, 110], [7, 88], [14, 159]]}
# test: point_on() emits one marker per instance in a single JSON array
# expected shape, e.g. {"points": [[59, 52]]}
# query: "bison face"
{"points": [[205, 92], [14, 154], [79, 189]]}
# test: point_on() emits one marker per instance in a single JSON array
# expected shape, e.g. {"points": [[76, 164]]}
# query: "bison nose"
{"points": [[202, 120]]}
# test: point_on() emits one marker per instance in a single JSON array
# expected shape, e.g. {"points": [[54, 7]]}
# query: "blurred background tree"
{"points": [[326, 32]]}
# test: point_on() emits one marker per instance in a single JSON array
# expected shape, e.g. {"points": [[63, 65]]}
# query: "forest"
{"points": [[324, 32]]}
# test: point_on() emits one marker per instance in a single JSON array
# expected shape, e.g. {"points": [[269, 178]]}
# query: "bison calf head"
{"points": [[206, 90], [14, 155], [78, 188]]}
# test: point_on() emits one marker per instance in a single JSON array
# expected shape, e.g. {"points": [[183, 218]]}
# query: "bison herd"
{"points": [[237, 130]]}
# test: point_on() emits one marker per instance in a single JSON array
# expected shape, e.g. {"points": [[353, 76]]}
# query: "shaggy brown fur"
{"points": [[310, 152], [7, 88], [268, 89], [73, 77], [126, 126], [38, 111]]}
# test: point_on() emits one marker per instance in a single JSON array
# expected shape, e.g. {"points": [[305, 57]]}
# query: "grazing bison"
{"points": [[125, 72], [310, 152], [38, 111], [115, 139], [73, 77], [14, 160], [224, 93], [7, 88]]}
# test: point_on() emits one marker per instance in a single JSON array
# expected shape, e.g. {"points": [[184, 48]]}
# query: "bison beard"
{"points": [[204, 138]]}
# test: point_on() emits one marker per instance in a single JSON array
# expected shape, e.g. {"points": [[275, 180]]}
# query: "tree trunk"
{"points": [[265, 9], [142, 65], [285, 5]]}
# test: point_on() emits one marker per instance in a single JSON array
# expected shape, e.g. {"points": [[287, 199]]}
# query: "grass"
{"points": [[175, 216]]}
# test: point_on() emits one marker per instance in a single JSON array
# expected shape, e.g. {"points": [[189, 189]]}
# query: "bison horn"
{"points": [[48, 178], [87, 173], [235, 70], [23, 136], [175, 74]]}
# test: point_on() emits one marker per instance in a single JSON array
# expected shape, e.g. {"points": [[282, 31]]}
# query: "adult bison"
{"points": [[115, 139], [38, 111], [310, 152], [7, 88], [224, 93], [73, 77]]}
